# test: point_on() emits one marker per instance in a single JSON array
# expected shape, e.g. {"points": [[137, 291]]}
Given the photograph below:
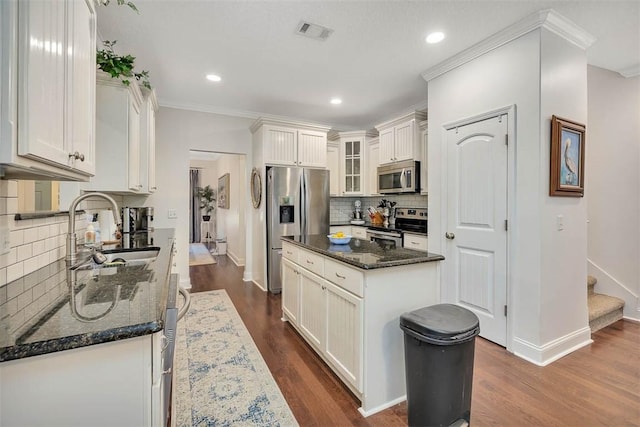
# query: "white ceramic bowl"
{"points": [[339, 240]]}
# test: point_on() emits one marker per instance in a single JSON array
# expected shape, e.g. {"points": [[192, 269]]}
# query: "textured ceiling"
{"points": [[373, 59]]}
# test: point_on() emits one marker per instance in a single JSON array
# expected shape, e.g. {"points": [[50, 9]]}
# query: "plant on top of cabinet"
{"points": [[120, 3], [120, 67]]}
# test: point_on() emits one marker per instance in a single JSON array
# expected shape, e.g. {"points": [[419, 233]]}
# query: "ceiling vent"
{"points": [[313, 31]]}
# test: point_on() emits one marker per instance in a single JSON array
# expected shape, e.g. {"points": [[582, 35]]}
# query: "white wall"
{"points": [[231, 222], [522, 73], [612, 185], [177, 132]]}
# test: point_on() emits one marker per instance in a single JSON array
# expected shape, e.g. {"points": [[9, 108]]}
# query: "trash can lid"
{"points": [[444, 324]]}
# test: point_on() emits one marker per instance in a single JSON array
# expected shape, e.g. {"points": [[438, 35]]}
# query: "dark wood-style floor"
{"points": [[598, 385]]}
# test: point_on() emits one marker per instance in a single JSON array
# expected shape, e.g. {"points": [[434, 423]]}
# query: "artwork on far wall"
{"points": [[223, 191], [567, 158]]}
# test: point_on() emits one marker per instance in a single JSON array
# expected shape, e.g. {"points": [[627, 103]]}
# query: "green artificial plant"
{"points": [[120, 67], [207, 198], [120, 3]]}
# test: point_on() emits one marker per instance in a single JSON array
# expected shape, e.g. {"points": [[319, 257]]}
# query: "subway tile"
{"points": [[12, 206], [15, 271], [50, 243], [30, 280], [43, 302], [30, 235], [17, 321], [12, 306], [31, 264], [3, 294], [16, 237], [3, 276], [38, 290], [12, 256], [38, 247], [54, 229], [24, 252], [24, 299], [43, 232], [12, 188], [3, 206]]}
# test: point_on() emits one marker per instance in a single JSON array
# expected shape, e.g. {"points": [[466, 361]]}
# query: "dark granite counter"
{"points": [[87, 306], [362, 253], [370, 226]]}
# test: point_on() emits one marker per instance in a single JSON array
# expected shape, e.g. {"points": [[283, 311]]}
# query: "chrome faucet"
{"points": [[71, 233]]}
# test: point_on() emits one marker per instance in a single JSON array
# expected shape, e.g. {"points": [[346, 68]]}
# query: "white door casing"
{"points": [[476, 232]]}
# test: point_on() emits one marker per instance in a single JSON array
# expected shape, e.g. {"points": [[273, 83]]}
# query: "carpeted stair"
{"points": [[603, 309]]}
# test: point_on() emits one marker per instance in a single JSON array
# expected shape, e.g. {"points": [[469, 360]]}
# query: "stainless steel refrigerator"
{"points": [[297, 204]]}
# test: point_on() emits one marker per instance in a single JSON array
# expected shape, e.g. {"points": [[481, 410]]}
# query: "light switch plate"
{"points": [[560, 222]]}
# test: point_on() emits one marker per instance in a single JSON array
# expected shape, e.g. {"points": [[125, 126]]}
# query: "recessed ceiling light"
{"points": [[213, 77], [336, 101], [436, 37]]}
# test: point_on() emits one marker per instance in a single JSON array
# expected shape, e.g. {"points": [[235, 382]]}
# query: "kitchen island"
{"points": [[346, 302], [92, 353]]}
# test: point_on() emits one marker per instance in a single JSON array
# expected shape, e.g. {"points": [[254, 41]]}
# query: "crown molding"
{"points": [[548, 19], [633, 71], [418, 116], [288, 123], [356, 133]]}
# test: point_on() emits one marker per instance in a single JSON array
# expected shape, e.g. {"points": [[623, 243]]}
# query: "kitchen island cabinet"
{"points": [[346, 302]]}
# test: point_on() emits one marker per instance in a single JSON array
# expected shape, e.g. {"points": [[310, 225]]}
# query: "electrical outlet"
{"points": [[172, 214]]}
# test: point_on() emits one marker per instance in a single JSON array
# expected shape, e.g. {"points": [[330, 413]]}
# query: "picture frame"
{"points": [[256, 188], [223, 191], [566, 176]]}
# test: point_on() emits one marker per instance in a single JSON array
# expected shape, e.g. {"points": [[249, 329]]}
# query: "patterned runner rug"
{"points": [[199, 255], [221, 378]]}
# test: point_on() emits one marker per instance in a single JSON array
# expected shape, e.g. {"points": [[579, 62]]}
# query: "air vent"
{"points": [[313, 31]]}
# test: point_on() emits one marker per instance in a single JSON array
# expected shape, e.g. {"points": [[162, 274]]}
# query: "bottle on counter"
{"points": [[90, 235]]}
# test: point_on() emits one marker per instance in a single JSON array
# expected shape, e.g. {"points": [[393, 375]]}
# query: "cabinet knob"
{"points": [[77, 156]]}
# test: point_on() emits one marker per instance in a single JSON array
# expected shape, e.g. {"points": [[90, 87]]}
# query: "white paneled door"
{"points": [[476, 232]]}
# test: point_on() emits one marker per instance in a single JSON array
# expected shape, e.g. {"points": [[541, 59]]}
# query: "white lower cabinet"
{"points": [[359, 232], [414, 241], [345, 313], [329, 318], [112, 384]]}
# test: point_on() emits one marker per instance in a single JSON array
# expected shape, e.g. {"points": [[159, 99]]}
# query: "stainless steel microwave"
{"points": [[399, 177]]}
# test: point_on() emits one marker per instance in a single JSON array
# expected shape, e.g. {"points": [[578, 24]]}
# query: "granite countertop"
{"points": [[362, 253], [370, 226], [89, 306]]}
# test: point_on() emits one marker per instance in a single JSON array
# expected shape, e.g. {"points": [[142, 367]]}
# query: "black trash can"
{"points": [[439, 344]]}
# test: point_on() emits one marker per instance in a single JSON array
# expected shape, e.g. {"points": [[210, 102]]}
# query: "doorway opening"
{"points": [[220, 225]]}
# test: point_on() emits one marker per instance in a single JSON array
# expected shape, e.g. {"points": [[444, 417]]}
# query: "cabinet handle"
{"points": [[289, 253], [154, 188], [414, 243], [77, 156], [166, 371], [324, 288], [340, 277], [309, 262]]}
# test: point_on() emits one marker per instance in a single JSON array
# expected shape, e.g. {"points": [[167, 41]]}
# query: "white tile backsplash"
{"points": [[341, 208]]}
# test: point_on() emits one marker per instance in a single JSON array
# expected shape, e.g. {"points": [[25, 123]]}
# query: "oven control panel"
{"points": [[412, 213]]}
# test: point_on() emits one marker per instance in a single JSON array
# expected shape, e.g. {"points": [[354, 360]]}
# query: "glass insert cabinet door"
{"points": [[352, 167]]}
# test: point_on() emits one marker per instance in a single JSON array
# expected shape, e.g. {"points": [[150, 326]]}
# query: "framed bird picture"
{"points": [[567, 158]]}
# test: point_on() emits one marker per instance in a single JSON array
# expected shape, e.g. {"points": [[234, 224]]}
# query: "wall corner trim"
{"points": [[553, 350], [547, 18]]}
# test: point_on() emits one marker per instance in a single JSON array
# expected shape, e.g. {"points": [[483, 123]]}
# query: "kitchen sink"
{"points": [[126, 257]]}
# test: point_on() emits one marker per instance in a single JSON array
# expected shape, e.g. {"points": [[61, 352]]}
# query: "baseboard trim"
{"points": [[609, 285], [553, 350], [259, 286], [239, 262], [381, 407], [185, 283]]}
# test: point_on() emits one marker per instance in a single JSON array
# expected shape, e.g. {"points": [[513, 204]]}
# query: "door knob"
{"points": [[449, 236]]}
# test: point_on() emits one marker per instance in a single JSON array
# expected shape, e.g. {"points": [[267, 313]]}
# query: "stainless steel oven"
{"points": [[399, 177], [387, 238]]}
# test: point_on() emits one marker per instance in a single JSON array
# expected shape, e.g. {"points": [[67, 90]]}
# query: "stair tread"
{"points": [[600, 304]]}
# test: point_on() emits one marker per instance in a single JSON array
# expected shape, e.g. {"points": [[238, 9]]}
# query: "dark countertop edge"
{"points": [[428, 257], [369, 225], [47, 214], [77, 341]]}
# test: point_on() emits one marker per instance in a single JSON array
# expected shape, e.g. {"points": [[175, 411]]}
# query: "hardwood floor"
{"points": [[598, 385]]}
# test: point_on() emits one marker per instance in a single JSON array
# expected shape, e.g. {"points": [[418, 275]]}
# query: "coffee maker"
{"points": [[137, 219]]}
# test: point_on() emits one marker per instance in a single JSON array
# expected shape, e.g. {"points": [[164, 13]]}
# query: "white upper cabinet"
{"points": [[148, 141], [291, 144], [48, 89], [400, 138], [117, 137], [333, 164], [424, 141], [373, 156], [353, 167]]}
